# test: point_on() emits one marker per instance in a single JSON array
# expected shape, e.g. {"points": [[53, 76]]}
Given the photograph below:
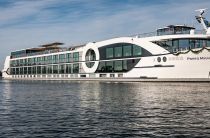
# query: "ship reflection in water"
{"points": [[100, 109]]}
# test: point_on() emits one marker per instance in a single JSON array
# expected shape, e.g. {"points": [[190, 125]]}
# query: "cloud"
{"points": [[27, 23], [19, 9]]}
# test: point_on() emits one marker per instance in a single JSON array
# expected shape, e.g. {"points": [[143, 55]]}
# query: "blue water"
{"points": [[48, 109]]}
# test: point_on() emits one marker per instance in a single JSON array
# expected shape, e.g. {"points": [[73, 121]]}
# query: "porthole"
{"points": [[159, 59], [164, 59], [90, 56]]}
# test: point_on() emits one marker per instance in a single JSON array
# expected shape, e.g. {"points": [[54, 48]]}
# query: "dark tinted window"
{"points": [[137, 51], [117, 65], [127, 50], [109, 53], [183, 44], [118, 52], [122, 50]]}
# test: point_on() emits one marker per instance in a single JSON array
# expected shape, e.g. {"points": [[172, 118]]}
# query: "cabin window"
{"points": [[168, 45], [200, 43], [184, 44], [44, 70], [127, 51], [109, 53], [25, 62], [118, 65], [25, 70], [39, 70], [197, 44], [137, 51], [38, 60], [68, 57], [49, 59], [61, 69], [33, 70], [55, 58], [76, 68], [110, 66], [175, 46], [17, 71], [118, 52], [68, 68], [102, 67], [29, 61], [21, 71], [49, 69], [44, 58], [17, 63], [76, 56], [55, 69], [21, 62], [12, 63], [29, 70], [62, 58], [192, 43], [12, 71], [34, 61]]}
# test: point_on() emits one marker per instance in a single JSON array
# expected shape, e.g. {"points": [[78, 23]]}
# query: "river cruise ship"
{"points": [[172, 53]]}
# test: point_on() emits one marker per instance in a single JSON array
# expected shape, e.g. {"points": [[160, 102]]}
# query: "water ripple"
{"points": [[94, 109]]}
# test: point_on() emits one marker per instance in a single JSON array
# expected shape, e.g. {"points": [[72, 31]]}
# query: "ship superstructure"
{"points": [[173, 53]]}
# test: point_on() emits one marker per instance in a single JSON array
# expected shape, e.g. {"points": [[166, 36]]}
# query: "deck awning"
{"points": [[55, 44]]}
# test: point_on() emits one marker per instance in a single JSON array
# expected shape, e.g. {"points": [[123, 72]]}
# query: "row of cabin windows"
{"points": [[123, 51], [104, 66], [117, 65], [52, 59], [183, 44], [51, 69]]}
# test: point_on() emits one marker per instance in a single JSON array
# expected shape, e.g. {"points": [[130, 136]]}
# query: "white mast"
{"points": [[202, 20]]}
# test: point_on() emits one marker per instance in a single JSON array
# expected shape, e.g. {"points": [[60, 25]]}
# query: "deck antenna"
{"points": [[201, 19]]}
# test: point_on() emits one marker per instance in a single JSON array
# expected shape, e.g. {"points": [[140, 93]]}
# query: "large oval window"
{"points": [[90, 57]]}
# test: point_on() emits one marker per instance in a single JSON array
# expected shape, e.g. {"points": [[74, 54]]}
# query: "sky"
{"points": [[30, 23]]}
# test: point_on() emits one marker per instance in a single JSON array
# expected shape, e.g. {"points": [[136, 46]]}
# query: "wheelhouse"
{"points": [[174, 29]]}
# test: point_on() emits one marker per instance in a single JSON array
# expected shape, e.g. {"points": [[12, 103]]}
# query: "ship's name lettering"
{"points": [[198, 58]]}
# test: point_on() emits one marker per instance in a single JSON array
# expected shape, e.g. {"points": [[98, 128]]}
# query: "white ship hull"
{"points": [[176, 53], [182, 67]]}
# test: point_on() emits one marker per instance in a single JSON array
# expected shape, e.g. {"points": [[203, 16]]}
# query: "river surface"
{"points": [[56, 109]]}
